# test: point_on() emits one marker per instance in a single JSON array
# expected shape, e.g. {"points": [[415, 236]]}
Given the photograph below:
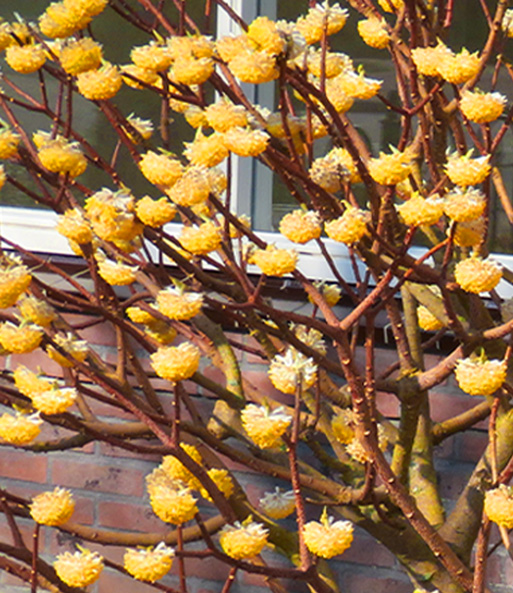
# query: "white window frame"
{"points": [[34, 229]]}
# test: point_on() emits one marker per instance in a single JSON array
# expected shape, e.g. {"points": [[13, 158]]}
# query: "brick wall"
{"points": [[108, 484]]}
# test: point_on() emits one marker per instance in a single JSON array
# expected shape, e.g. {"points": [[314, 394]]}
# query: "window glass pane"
{"points": [[380, 127], [88, 120]]}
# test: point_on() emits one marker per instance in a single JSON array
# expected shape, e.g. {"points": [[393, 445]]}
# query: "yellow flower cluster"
{"points": [[176, 470], [154, 213], [100, 84], [54, 400], [278, 504], [192, 188], [79, 569], [264, 426], [171, 500], [176, 363], [76, 349], [243, 540], [300, 226], [342, 426], [320, 18], [390, 169], [464, 204], [374, 32], [25, 59], [464, 170], [74, 226], [116, 273], [59, 155], [202, 239], [418, 211], [291, 370], [349, 228], [20, 339], [160, 169], [273, 261], [476, 275], [206, 151], [36, 311], [179, 305], [112, 216], [245, 141], [478, 376], [498, 505], [327, 538], [52, 508], [19, 429], [222, 480], [9, 141], [149, 564], [427, 321], [15, 278], [80, 55], [480, 107]]}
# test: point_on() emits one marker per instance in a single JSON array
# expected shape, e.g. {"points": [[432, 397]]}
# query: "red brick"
{"points": [[90, 476], [114, 581], [23, 465], [108, 450], [446, 405], [204, 568], [130, 516]]}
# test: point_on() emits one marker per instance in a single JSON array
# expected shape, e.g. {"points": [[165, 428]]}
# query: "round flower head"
{"points": [[327, 538], [469, 234], [223, 115], [478, 376], [287, 370], [153, 56], [141, 74], [278, 504], [374, 33], [52, 508], [464, 204], [358, 86], [246, 142], [464, 170], [179, 305], [74, 226], [9, 141], [155, 213], [477, 275], [300, 226], [206, 151], [191, 71], [25, 59], [273, 261], [330, 172], [116, 273], [418, 211], [149, 564], [80, 55], [172, 500], [243, 540], [19, 429], [498, 505], [79, 569], [255, 67], [176, 363], [222, 480], [201, 240], [390, 169], [320, 18], [76, 349], [427, 59], [481, 107], [138, 315], [100, 84], [195, 117], [67, 17], [192, 188], [54, 400], [427, 321], [458, 68], [28, 382], [160, 169], [265, 35], [60, 156], [348, 228], [334, 63], [20, 339], [265, 427], [175, 469], [14, 280]]}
